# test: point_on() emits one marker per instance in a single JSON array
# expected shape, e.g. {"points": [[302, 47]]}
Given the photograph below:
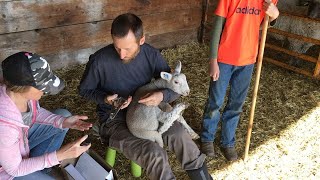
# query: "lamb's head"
{"points": [[177, 81]]}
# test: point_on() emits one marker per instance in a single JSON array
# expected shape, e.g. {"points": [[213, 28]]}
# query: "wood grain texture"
{"points": [[17, 16], [67, 32], [81, 56], [76, 41]]}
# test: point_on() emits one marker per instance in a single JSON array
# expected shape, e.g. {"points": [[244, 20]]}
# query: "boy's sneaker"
{"points": [[207, 148], [229, 153]]}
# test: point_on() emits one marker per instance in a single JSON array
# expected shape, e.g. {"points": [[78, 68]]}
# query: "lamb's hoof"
{"points": [[187, 104], [161, 131], [181, 106], [160, 144], [194, 136]]}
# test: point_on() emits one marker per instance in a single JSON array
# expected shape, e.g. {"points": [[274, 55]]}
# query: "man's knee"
{"points": [[154, 156], [157, 152], [176, 131], [145, 152], [154, 160]]}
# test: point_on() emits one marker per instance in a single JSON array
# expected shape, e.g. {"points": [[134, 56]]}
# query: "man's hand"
{"points": [[126, 104], [214, 71], [110, 98], [152, 99], [270, 9], [76, 122], [73, 149]]}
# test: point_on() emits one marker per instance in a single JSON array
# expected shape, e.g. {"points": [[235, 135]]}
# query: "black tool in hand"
{"points": [[86, 142], [116, 106]]}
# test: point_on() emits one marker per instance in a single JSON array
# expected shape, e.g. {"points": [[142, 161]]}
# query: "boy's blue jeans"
{"points": [[238, 77], [44, 139]]}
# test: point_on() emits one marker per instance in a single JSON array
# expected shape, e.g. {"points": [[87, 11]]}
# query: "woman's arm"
{"points": [[12, 160]]}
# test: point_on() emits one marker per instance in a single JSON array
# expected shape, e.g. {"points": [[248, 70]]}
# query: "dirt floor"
{"points": [[284, 143]]}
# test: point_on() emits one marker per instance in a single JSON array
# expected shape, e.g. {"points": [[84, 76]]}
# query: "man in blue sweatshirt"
{"points": [[118, 70]]}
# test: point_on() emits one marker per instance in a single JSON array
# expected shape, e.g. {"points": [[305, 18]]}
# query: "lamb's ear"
{"points": [[166, 76], [177, 70]]}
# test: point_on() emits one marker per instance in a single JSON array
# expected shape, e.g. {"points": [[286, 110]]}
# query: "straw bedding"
{"points": [[284, 143]]}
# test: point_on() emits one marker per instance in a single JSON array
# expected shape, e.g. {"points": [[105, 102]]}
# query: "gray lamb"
{"points": [[143, 121]]}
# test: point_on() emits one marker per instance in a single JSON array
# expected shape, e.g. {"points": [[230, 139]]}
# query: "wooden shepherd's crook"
{"points": [[256, 85]]}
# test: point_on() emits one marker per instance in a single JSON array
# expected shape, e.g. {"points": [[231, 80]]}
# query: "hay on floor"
{"points": [[284, 99]]}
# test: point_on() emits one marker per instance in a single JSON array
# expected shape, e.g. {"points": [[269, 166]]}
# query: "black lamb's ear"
{"points": [[303, 2]]}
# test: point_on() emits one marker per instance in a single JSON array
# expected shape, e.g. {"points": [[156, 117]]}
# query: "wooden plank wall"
{"points": [[67, 32], [207, 19]]}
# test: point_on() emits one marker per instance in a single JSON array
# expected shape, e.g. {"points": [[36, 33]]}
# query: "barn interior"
{"points": [[284, 142]]}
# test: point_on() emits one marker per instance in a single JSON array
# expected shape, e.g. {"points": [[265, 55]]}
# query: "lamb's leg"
{"points": [[166, 107], [168, 118], [193, 134], [153, 136]]}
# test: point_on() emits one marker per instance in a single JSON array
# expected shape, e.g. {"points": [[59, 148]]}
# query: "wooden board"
{"points": [[17, 16], [81, 56], [67, 32], [60, 41]]}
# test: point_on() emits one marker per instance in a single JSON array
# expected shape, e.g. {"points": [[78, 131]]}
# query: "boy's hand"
{"points": [[270, 9], [214, 71]]}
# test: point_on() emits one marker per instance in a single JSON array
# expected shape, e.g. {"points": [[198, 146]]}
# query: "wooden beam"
{"points": [[317, 68], [295, 36], [62, 59], [172, 39], [304, 18], [66, 39], [18, 16], [292, 53], [286, 66], [205, 4]]}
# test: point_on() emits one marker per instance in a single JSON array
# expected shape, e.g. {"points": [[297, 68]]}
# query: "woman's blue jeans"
{"points": [[44, 139], [238, 77]]}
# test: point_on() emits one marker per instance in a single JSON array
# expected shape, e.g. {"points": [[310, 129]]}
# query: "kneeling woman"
{"points": [[30, 136]]}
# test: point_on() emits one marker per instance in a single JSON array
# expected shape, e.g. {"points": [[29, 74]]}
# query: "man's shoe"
{"points": [[96, 129], [229, 153], [200, 174], [208, 149]]}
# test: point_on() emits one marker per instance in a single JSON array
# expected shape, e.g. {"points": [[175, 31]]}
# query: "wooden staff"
{"points": [[256, 85]]}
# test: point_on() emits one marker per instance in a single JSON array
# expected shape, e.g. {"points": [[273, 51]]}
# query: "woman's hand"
{"points": [[77, 122], [72, 150]]}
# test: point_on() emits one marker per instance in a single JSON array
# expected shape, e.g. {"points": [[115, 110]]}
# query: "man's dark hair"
{"points": [[122, 24]]}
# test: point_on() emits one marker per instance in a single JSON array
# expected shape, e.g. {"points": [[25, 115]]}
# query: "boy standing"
{"points": [[233, 52]]}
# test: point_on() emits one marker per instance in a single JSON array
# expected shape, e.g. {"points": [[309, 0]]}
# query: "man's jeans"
{"points": [[44, 139], [239, 78]]}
